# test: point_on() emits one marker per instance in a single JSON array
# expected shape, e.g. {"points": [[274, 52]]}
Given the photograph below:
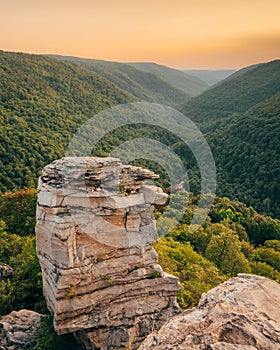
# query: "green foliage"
{"points": [[24, 289], [246, 156], [17, 209], [70, 292], [240, 117], [10, 245], [198, 239], [196, 274], [267, 255], [47, 338], [263, 269], [238, 93], [108, 279], [221, 248], [224, 250], [43, 101], [275, 244], [156, 274], [249, 224], [142, 85]]}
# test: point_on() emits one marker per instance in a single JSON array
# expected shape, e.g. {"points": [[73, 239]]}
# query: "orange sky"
{"points": [[179, 33]]}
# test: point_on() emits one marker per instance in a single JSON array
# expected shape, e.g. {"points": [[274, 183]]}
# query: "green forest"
{"points": [[240, 120], [234, 239], [43, 101], [144, 82]]}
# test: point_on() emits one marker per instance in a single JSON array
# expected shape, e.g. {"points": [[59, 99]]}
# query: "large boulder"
{"points": [[240, 314], [18, 329], [95, 231]]}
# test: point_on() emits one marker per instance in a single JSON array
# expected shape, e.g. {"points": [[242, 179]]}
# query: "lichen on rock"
{"points": [[95, 231]]}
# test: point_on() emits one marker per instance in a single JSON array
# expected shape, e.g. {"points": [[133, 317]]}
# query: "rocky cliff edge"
{"points": [[240, 314], [95, 230]]}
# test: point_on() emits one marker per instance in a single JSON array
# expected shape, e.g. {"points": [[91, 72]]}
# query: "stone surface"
{"points": [[95, 231], [240, 314], [6, 272], [18, 329]]}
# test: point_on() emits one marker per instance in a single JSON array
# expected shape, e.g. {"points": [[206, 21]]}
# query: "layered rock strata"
{"points": [[240, 314], [95, 232]]}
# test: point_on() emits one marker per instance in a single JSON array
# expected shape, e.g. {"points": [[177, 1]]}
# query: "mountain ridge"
{"points": [[210, 76], [189, 84], [140, 85], [240, 120], [235, 94]]}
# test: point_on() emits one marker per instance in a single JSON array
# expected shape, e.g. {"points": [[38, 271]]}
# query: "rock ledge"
{"points": [[95, 231], [240, 314]]}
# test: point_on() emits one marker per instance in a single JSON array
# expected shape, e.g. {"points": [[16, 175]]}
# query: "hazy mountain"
{"points": [[188, 83], [42, 103], [210, 77], [237, 93], [140, 85]]}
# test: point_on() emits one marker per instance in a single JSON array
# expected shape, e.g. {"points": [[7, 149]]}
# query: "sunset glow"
{"points": [[180, 33]]}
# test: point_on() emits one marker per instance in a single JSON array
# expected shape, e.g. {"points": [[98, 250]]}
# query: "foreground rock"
{"points": [[95, 229], [240, 314], [18, 329]]}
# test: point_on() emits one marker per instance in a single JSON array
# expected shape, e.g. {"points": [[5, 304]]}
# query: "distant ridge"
{"points": [[140, 85], [237, 93], [211, 76], [188, 83]]}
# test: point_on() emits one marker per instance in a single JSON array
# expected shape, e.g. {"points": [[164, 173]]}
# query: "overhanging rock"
{"points": [[95, 231]]}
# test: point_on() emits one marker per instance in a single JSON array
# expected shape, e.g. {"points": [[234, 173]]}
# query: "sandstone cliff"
{"points": [[95, 229], [240, 314]]}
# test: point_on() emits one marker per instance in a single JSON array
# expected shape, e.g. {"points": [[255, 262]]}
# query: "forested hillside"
{"points": [[42, 103], [191, 85], [247, 156], [238, 93], [140, 85], [241, 120]]}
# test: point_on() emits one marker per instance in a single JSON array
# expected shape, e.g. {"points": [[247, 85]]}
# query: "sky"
{"points": [[183, 34]]}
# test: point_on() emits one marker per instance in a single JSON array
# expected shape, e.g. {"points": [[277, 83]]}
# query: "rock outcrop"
{"points": [[18, 329], [6, 272], [240, 314], [95, 229]]}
